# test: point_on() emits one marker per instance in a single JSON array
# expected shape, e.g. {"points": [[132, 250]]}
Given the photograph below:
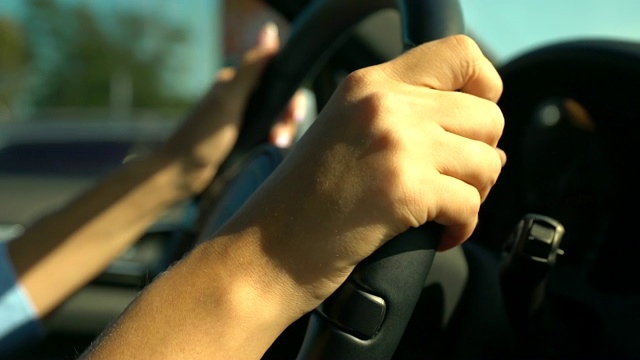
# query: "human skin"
{"points": [[65, 250], [399, 144]]}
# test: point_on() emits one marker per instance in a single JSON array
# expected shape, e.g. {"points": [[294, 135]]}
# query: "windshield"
{"points": [[122, 60], [508, 28]]}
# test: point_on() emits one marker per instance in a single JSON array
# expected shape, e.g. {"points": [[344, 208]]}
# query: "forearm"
{"points": [[65, 250], [373, 164], [233, 295], [225, 300]]}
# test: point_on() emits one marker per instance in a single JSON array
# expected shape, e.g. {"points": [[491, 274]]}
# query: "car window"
{"points": [[105, 60], [508, 28], [86, 85]]}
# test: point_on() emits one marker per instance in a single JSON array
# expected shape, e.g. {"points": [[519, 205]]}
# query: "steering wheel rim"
{"points": [[373, 285], [305, 51]]}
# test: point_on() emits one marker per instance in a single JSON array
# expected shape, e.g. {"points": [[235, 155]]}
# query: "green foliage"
{"points": [[14, 57], [80, 58]]}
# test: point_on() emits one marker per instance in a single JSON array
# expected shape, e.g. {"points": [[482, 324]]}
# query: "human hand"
{"points": [[210, 130], [399, 144]]}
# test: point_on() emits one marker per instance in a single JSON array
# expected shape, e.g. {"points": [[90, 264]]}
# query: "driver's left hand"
{"points": [[208, 133]]}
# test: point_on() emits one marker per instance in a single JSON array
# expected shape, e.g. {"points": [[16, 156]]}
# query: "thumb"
{"points": [[256, 59], [449, 64]]}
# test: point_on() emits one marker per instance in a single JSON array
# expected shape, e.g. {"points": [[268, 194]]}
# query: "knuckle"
{"points": [[375, 104], [487, 161], [370, 103], [469, 54], [463, 41], [465, 45], [356, 80], [373, 109]]}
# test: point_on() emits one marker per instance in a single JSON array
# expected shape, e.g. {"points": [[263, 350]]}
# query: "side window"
{"points": [[99, 61]]}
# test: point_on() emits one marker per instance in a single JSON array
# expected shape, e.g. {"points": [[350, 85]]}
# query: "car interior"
{"points": [[548, 273]]}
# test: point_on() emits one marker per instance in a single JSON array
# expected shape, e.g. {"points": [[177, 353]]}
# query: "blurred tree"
{"points": [[14, 58], [84, 60]]}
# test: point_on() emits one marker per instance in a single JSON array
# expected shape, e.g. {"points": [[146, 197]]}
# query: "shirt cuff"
{"points": [[19, 325]]}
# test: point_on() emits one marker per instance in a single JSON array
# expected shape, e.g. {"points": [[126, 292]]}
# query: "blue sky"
{"points": [[510, 27], [507, 27]]}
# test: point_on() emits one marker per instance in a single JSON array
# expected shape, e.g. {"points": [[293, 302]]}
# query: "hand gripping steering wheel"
{"points": [[366, 317]]}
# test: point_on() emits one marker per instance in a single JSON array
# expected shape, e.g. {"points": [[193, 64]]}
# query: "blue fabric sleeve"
{"points": [[259, 165], [19, 324]]}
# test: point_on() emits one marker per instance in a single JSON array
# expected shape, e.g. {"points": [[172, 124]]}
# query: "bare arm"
{"points": [[65, 250], [373, 164]]}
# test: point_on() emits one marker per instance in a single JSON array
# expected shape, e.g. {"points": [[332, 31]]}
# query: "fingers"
{"points": [[254, 60], [453, 63], [470, 161], [465, 172], [456, 207], [284, 131], [502, 155], [469, 116], [268, 37], [467, 156], [208, 133], [454, 235]]}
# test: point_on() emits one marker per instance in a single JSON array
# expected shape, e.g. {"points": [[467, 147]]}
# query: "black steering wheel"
{"points": [[366, 317]]}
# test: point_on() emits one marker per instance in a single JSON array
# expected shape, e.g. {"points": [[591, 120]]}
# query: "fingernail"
{"points": [[282, 140], [268, 36]]}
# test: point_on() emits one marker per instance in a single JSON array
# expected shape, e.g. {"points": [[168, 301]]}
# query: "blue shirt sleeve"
{"points": [[19, 324]]}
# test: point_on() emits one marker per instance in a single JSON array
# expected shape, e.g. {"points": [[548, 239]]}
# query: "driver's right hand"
{"points": [[399, 144]]}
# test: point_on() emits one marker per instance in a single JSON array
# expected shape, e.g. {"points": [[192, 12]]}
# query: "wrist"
{"points": [[186, 175], [292, 272], [253, 283], [217, 300]]}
